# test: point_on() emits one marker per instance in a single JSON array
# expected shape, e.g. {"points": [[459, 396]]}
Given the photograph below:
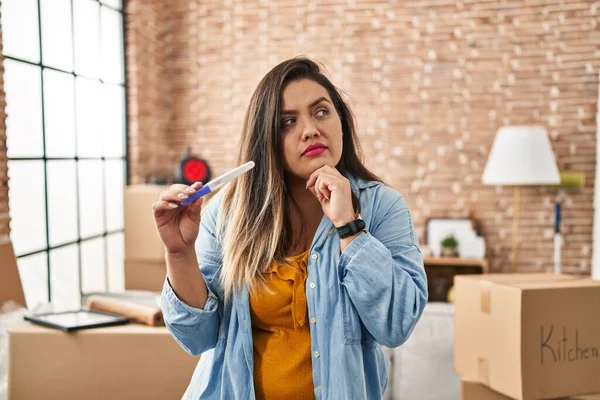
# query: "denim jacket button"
{"points": [[312, 285], [314, 256]]}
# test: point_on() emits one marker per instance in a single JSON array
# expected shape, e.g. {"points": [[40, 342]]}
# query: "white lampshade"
{"points": [[521, 155]]}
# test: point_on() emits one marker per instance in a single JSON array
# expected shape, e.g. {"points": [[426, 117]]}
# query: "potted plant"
{"points": [[449, 246]]}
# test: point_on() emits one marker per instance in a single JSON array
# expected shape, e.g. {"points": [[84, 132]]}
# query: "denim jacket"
{"points": [[370, 295]]}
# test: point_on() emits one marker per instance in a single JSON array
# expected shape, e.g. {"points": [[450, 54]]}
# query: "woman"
{"points": [[293, 297]]}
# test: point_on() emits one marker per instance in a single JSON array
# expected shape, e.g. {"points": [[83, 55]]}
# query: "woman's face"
{"points": [[311, 129]]}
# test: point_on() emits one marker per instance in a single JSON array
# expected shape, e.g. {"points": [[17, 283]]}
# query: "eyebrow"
{"points": [[314, 103]]}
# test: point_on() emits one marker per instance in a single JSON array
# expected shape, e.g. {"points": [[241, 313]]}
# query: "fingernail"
{"points": [[182, 196], [172, 205]]}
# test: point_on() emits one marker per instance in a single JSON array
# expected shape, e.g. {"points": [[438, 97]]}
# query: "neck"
{"points": [[310, 214], [308, 202]]}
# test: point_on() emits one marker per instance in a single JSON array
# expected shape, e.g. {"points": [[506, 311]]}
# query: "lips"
{"points": [[314, 148]]}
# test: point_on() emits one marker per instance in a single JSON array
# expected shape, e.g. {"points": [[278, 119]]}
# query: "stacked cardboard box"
{"points": [[10, 281], [470, 390], [145, 267], [527, 336], [121, 362]]}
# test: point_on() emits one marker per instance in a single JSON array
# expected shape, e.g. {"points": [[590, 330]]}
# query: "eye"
{"points": [[322, 112], [288, 121]]}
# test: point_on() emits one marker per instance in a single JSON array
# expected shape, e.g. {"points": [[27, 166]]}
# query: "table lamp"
{"points": [[520, 156]]}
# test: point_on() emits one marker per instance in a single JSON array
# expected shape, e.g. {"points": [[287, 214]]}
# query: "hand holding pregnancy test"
{"points": [[177, 212], [218, 182]]}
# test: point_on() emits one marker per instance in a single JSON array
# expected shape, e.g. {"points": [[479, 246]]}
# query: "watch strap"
{"points": [[351, 228]]}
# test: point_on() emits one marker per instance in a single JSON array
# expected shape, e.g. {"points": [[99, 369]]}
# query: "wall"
{"points": [[430, 83], [148, 88], [596, 235], [4, 218]]}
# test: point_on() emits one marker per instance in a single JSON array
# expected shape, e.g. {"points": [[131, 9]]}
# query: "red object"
{"points": [[195, 170]]}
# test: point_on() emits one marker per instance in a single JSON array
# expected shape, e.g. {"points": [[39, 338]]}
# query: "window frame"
{"points": [[76, 158]]}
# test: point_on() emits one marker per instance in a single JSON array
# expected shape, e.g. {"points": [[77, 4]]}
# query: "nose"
{"points": [[310, 130]]}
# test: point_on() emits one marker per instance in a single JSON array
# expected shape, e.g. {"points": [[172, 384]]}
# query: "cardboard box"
{"points": [[10, 280], [528, 336], [145, 275], [142, 242], [121, 362], [470, 390]]}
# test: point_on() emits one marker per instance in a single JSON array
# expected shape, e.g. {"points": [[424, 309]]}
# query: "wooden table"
{"points": [[441, 271], [456, 262]]}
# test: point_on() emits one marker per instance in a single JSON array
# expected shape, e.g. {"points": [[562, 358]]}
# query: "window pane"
{"points": [[113, 117], [91, 198], [87, 37], [57, 39], [89, 113], [113, 3], [115, 182], [112, 45], [22, 84], [62, 202], [64, 278], [92, 266], [59, 114], [116, 255], [20, 35], [34, 279], [27, 205]]}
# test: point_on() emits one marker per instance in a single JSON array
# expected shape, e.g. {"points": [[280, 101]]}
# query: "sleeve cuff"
{"points": [[175, 305], [351, 250]]}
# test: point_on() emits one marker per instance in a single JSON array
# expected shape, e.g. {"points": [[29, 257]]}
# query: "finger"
{"points": [[313, 177], [334, 179], [331, 170], [322, 186], [314, 192], [325, 192], [324, 170], [187, 200], [172, 196], [160, 207], [181, 188], [195, 186], [317, 194], [179, 193], [195, 209]]}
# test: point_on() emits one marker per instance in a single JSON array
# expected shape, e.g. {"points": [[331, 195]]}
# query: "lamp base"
{"points": [[516, 217]]}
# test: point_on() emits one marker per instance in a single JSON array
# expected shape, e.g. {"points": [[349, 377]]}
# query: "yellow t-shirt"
{"points": [[281, 334]]}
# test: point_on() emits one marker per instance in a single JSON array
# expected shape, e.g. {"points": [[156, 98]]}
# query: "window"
{"points": [[64, 80]]}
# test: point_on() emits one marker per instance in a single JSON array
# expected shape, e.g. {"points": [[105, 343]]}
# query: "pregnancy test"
{"points": [[218, 182]]}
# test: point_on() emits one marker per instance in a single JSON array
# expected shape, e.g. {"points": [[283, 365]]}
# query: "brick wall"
{"points": [[430, 82], [148, 90], [4, 218]]}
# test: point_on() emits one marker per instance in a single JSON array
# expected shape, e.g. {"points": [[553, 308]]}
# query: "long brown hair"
{"points": [[254, 224]]}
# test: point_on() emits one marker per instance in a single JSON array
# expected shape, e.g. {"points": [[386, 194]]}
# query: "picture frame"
{"points": [[438, 228]]}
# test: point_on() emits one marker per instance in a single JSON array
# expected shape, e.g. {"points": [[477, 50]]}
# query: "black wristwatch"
{"points": [[351, 228]]}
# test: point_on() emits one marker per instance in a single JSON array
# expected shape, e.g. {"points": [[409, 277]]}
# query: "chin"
{"points": [[310, 165]]}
